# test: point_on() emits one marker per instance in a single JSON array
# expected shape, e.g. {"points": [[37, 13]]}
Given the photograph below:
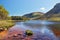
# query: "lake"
{"points": [[39, 27]]}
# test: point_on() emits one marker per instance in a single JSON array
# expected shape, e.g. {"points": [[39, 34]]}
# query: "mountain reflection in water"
{"points": [[40, 28]]}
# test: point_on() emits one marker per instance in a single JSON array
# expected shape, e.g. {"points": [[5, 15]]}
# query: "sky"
{"points": [[21, 7]]}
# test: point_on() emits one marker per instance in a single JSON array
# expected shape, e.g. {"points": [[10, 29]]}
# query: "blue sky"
{"points": [[21, 7]]}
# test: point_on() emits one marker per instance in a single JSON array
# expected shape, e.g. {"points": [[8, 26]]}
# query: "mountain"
{"points": [[53, 14], [55, 11], [34, 14]]}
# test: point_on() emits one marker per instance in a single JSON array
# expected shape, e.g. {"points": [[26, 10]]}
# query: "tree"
{"points": [[16, 18], [3, 13]]}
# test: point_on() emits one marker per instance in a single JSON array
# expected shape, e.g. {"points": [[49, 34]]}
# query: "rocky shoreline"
{"points": [[20, 35]]}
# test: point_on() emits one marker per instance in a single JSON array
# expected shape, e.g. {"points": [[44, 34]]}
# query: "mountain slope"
{"points": [[34, 14], [54, 11]]}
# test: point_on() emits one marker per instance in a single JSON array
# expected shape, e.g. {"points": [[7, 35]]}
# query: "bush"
{"points": [[5, 25]]}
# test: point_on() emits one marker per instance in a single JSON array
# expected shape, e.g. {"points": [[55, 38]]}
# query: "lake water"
{"points": [[39, 27]]}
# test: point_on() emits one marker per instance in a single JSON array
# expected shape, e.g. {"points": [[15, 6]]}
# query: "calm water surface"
{"points": [[37, 26]]}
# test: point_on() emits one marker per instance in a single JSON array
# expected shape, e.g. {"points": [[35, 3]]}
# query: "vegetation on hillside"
{"points": [[33, 14]]}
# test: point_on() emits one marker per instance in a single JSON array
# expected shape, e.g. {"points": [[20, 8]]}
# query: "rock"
{"points": [[1, 29], [15, 35], [29, 32]]}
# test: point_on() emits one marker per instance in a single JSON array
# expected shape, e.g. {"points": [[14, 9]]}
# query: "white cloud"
{"points": [[42, 8]]}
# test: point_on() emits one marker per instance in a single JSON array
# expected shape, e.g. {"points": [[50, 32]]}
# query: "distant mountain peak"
{"points": [[54, 11], [57, 5]]}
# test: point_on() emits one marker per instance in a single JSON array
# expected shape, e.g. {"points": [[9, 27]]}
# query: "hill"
{"points": [[34, 15], [55, 11], [53, 14]]}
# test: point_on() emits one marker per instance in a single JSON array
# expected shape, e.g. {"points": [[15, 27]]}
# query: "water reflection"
{"points": [[36, 26], [41, 26]]}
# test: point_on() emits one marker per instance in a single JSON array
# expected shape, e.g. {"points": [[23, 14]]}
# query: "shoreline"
{"points": [[3, 34]]}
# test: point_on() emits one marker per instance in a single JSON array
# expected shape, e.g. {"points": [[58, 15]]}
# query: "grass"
{"points": [[55, 19], [6, 24]]}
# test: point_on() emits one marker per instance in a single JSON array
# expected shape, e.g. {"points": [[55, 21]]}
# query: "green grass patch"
{"points": [[6, 24]]}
